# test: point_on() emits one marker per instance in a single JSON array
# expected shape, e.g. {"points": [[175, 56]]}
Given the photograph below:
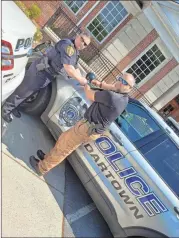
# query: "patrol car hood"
{"points": [[15, 21], [80, 89]]}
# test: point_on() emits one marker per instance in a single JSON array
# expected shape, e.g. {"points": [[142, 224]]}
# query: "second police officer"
{"points": [[62, 58]]}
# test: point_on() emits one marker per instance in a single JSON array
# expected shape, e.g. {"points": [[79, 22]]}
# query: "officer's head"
{"points": [[82, 41], [125, 83]]}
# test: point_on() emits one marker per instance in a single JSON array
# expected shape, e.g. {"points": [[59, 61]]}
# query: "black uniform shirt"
{"points": [[107, 107]]}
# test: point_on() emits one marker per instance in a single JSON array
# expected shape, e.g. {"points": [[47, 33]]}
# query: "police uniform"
{"points": [[42, 72]]}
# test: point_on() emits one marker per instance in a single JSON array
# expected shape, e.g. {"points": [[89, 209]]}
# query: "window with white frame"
{"points": [[146, 64], [107, 20], [75, 5]]}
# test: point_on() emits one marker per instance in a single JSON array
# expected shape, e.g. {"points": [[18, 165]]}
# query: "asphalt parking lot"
{"points": [[54, 206]]}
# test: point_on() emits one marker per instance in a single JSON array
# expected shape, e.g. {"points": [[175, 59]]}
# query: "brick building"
{"points": [[141, 37]]}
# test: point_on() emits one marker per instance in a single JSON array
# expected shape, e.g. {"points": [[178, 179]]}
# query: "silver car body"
{"points": [[130, 194]]}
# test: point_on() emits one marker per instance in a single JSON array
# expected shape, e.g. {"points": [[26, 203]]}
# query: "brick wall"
{"points": [[153, 35], [48, 8], [117, 30], [70, 13], [85, 9], [151, 82], [100, 46], [93, 13], [132, 55], [76, 18]]}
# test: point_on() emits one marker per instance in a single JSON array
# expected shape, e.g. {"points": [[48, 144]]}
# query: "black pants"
{"points": [[33, 81]]}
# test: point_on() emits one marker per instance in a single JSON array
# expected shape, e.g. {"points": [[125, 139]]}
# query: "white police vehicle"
{"points": [[131, 172], [17, 36]]}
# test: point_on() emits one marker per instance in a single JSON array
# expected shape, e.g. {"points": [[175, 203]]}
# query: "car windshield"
{"points": [[136, 123]]}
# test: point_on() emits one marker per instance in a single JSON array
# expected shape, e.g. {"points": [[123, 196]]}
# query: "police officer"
{"points": [[61, 59], [107, 105]]}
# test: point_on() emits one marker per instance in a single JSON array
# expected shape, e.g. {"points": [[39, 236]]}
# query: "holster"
{"points": [[93, 127], [43, 64]]}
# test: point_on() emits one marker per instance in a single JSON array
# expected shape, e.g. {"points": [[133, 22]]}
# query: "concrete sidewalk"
{"points": [[31, 206], [54, 206]]}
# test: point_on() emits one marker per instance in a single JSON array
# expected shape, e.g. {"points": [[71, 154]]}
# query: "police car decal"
{"points": [[143, 194], [72, 112], [26, 43]]}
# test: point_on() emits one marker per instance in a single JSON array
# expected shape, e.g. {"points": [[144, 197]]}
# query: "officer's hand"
{"points": [[83, 81], [96, 83], [90, 94], [87, 88]]}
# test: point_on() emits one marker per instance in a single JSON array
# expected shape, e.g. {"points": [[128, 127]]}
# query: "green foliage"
{"points": [[22, 6], [34, 11], [27, 13], [38, 35]]}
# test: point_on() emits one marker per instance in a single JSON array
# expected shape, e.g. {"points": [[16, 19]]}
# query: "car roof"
{"points": [[135, 101]]}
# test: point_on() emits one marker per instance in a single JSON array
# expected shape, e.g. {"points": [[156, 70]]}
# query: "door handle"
{"points": [[117, 138], [176, 209]]}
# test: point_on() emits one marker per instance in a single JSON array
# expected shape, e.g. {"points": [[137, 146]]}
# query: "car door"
{"points": [[155, 166], [129, 181], [152, 141]]}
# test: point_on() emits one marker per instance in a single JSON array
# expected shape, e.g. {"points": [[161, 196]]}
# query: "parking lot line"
{"points": [[80, 213]]}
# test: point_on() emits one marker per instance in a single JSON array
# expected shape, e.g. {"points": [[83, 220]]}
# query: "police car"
{"points": [[131, 172], [16, 43]]}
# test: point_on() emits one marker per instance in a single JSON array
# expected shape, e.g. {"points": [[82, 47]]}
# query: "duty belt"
{"points": [[92, 127], [44, 65]]}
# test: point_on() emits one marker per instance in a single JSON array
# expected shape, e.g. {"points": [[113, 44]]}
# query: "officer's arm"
{"points": [[90, 94], [107, 86], [67, 53], [75, 73], [103, 85], [78, 70]]}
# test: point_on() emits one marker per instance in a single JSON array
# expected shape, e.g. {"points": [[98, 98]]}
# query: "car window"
{"points": [[136, 123], [156, 146]]}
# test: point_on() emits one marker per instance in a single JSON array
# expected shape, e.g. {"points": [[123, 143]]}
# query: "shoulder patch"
{"points": [[70, 50]]}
